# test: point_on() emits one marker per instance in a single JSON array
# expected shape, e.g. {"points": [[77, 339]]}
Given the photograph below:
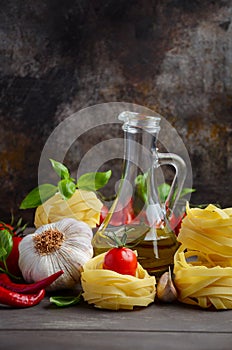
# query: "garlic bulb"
{"points": [[83, 206], [63, 245]]}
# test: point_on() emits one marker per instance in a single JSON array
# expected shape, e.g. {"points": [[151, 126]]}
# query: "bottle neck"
{"points": [[140, 148], [141, 159]]}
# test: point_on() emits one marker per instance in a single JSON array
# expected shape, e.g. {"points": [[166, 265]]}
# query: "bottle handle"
{"points": [[178, 181]]}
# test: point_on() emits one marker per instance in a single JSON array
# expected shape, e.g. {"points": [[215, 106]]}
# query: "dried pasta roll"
{"points": [[200, 282], [209, 231], [110, 290]]}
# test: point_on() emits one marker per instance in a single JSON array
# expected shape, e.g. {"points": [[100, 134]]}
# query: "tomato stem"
{"points": [[116, 240], [120, 242]]}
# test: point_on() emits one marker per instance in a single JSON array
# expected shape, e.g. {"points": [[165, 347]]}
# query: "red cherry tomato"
{"points": [[103, 214], [117, 218], [128, 213], [122, 260], [123, 215], [175, 223]]}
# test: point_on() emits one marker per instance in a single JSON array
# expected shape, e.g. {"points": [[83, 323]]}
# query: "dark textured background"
{"points": [[172, 56]]}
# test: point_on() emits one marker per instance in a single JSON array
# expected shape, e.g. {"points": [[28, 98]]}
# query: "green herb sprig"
{"points": [[65, 301], [6, 245], [66, 186], [163, 191]]}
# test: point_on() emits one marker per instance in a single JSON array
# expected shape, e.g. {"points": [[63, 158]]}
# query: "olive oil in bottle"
{"points": [[155, 250]]}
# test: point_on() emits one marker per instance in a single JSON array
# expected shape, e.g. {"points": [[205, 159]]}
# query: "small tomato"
{"points": [[122, 260], [123, 215], [175, 222], [103, 214]]}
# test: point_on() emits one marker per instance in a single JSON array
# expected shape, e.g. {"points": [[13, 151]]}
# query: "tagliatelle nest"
{"points": [[203, 262], [110, 290], [82, 206], [200, 282], [209, 231]]}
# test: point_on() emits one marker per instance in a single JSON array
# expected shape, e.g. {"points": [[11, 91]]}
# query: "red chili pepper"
{"points": [[10, 298], [6, 282]]}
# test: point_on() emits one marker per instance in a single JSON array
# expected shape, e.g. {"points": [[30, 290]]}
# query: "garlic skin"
{"points": [[165, 289], [63, 245], [82, 206]]}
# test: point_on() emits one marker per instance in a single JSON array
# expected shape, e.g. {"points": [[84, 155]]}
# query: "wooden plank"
{"points": [[88, 340], [156, 317]]}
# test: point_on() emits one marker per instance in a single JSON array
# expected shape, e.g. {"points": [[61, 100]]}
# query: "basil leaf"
{"points": [[183, 193], [93, 181], [163, 191], [186, 190], [141, 187], [62, 301], [60, 169], [6, 244], [66, 188], [38, 195]]}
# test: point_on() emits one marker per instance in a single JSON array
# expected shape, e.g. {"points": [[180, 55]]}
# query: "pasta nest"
{"points": [[82, 206], [201, 283], [209, 231], [203, 262], [111, 290]]}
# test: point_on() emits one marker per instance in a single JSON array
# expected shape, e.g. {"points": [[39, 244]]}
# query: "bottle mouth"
{"points": [[140, 120]]}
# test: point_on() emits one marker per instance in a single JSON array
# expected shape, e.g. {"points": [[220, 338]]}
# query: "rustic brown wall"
{"points": [[174, 56]]}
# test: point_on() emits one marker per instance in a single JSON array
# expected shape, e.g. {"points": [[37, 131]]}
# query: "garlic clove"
{"points": [[166, 290]]}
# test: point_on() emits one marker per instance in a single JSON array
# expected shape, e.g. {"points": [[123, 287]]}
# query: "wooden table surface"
{"points": [[159, 326]]}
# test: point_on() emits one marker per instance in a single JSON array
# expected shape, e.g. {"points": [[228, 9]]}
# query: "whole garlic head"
{"points": [[83, 206], [63, 245]]}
